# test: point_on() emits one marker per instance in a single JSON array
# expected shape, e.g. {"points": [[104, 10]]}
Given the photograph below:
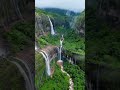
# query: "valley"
{"points": [[54, 28]]}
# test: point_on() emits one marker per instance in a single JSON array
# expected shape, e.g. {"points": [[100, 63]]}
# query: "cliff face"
{"points": [[80, 24], [42, 25], [14, 10], [109, 11]]}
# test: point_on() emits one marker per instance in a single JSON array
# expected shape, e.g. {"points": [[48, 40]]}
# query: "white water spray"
{"points": [[36, 47], [51, 25], [61, 41], [47, 62]]}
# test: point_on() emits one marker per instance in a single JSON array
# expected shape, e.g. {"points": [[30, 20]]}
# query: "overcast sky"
{"points": [[74, 5]]}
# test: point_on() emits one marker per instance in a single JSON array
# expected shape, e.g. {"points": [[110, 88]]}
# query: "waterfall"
{"points": [[60, 52], [51, 25], [47, 61], [60, 48], [61, 41], [68, 13], [36, 47]]}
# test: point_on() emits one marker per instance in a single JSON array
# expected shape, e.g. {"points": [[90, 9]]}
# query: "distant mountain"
{"points": [[60, 11], [59, 17]]}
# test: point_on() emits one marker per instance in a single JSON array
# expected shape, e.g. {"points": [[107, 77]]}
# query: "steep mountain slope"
{"points": [[103, 45], [72, 50], [42, 25], [14, 10], [80, 24]]}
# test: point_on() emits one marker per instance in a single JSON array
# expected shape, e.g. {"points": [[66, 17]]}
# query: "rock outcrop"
{"points": [[80, 24], [14, 10], [109, 11], [42, 25]]}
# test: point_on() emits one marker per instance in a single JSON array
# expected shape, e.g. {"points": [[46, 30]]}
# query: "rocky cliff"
{"points": [[109, 11], [14, 10], [80, 24], [42, 25]]}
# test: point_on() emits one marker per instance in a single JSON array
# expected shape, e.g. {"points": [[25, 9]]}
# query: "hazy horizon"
{"points": [[77, 6]]}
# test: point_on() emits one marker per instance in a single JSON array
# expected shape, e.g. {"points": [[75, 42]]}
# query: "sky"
{"points": [[73, 5]]}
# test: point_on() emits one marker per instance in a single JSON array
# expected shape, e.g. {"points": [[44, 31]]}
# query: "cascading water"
{"points": [[45, 55], [61, 41], [47, 61], [51, 25], [71, 86], [36, 47]]}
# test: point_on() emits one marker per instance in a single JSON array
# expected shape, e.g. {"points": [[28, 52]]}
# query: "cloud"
{"points": [[74, 5]]}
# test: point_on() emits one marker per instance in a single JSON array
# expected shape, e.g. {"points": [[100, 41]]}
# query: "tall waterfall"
{"points": [[51, 25], [61, 41], [47, 61], [36, 47]]}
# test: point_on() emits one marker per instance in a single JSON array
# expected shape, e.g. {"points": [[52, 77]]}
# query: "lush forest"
{"points": [[77, 75], [72, 26], [20, 36], [75, 42], [16, 37], [103, 45]]}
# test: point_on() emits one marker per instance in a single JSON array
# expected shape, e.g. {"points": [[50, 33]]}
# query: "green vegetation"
{"points": [[76, 74], [20, 36], [109, 54], [80, 21], [59, 81], [73, 42], [40, 70], [58, 11], [102, 50], [10, 76], [59, 19], [27, 28]]}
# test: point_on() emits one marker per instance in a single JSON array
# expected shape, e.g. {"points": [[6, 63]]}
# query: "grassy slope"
{"points": [[20, 36]]}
